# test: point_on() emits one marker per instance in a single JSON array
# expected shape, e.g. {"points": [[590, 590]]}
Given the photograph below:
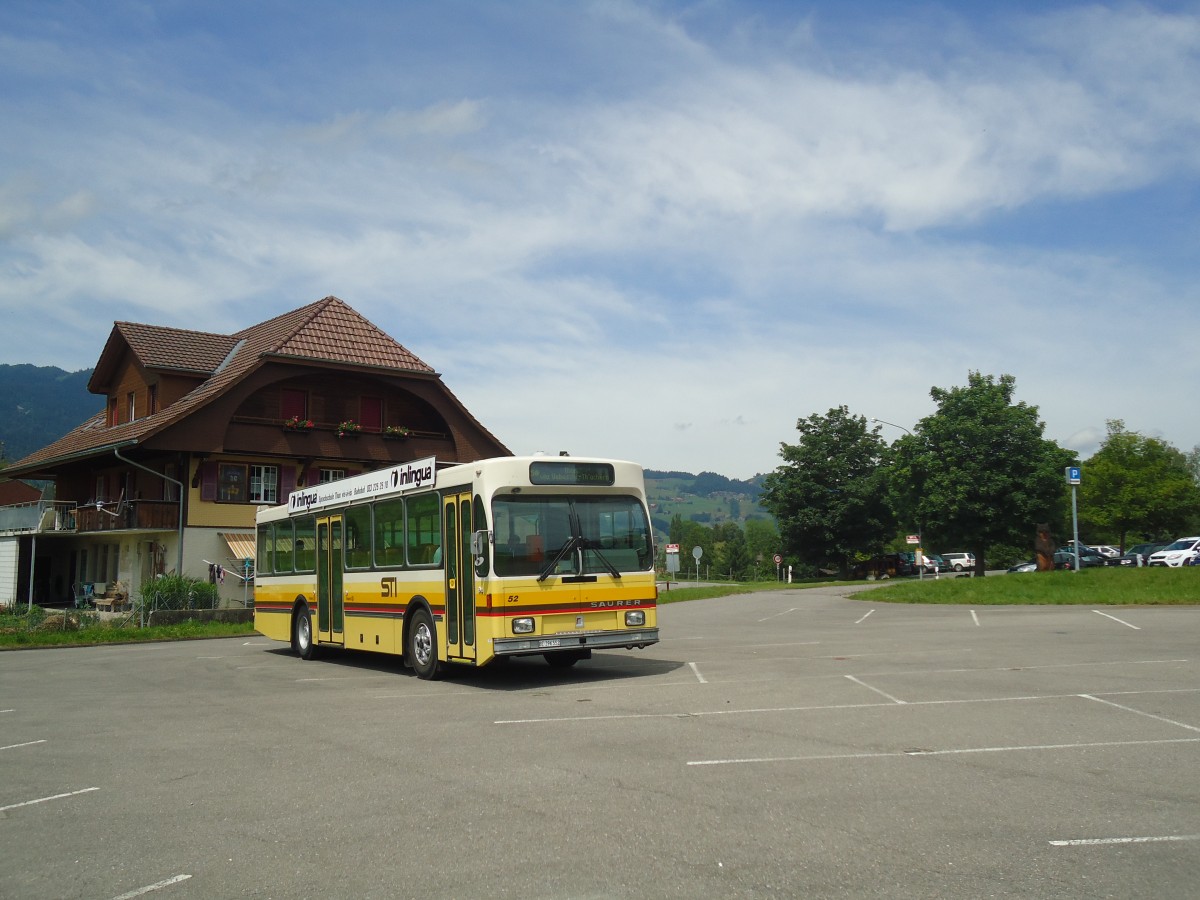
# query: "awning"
{"points": [[241, 546]]}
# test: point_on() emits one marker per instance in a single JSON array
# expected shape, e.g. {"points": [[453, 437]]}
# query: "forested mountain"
{"points": [[708, 498], [39, 404]]}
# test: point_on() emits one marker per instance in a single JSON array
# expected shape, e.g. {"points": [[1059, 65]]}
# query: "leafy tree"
{"points": [[828, 496], [762, 543], [978, 472], [1137, 484]]}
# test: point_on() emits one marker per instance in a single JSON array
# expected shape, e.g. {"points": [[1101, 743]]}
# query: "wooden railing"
{"points": [[146, 515]]}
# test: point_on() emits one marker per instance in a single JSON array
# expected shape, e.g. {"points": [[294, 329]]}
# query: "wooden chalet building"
{"points": [[197, 430]]}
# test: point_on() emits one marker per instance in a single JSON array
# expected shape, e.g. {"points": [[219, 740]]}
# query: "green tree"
{"points": [[828, 496], [762, 543], [978, 472], [1137, 484]]}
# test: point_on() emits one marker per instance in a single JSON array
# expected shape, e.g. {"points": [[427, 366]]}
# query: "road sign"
{"points": [[913, 539], [697, 552], [778, 559], [1073, 474], [672, 548]]}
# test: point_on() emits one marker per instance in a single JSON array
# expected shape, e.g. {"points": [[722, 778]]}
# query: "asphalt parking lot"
{"points": [[787, 744]]}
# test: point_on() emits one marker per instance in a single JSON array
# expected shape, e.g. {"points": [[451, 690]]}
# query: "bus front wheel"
{"points": [[422, 645], [302, 634]]}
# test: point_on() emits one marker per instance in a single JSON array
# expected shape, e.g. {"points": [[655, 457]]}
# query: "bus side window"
{"points": [[389, 533], [358, 537], [284, 544], [423, 528], [306, 545]]}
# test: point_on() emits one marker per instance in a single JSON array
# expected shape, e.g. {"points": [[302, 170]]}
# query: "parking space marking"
{"points": [[897, 754], [696, 670], [777, 615], [26, 744], [864, 618], [875, 689], [975, 617], [1140, 712], [150, 888], [1115, 619], [46, 799], [1092, 842]]}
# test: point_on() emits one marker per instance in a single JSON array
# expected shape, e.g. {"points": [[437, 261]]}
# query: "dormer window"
{"points": [[132, 406], [112, 411]]}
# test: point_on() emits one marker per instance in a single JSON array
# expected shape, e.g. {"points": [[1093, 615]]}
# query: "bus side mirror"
{"points": [[479, 543]]}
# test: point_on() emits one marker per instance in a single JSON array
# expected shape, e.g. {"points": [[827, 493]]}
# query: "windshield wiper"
{"points": [[558, 557], [595, 548]]}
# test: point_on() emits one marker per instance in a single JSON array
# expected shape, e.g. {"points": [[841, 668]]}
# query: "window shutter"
{"points": [[287, 482], [208, 482]]}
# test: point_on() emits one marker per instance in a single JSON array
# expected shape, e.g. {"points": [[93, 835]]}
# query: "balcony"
{"points": [[136, 515]]}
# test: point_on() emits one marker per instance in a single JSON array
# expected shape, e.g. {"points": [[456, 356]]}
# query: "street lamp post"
{"points": [[920, 539]]}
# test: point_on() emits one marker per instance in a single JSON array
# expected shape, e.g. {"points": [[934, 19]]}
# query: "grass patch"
{"points": [[682, 594], [17, 633], [1095, 587]]}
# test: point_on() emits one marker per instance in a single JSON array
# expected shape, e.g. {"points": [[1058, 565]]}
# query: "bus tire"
{"points": [[422, 645], [564, 659], [302, 634]]}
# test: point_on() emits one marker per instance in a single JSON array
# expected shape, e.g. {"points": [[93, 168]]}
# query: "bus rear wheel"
{"points": [[422, 645], [302, 634], [564, 659]]}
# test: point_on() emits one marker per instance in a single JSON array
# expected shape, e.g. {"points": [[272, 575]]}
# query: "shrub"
{"points": [[175, 592]]}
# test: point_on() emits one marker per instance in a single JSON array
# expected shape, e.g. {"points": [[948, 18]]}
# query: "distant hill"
{"points": [[707, 498], [39, 404]]}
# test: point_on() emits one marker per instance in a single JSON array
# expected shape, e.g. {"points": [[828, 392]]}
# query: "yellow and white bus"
{"points": [[514, 556]]}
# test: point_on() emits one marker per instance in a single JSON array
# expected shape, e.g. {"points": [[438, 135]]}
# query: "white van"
{"points": [[959, 562], [1178, 553]]}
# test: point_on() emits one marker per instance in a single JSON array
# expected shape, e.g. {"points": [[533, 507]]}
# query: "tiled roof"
{"points": [[327, 330], [331, 330]]}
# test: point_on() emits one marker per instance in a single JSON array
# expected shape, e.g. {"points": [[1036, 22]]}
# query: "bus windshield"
{"points": [[559, 534]]}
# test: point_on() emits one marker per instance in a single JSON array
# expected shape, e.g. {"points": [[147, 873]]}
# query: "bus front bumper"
{"points": [[604, 640]]}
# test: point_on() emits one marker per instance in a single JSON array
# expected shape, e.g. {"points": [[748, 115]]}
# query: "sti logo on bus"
{"points": [[416, 474]]}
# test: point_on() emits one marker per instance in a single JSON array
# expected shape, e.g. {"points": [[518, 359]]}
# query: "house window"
{"points": [[231, 483], [170, 490], [132, 406], [264, 484], [293, 403], [101, 488], [112, 411], [152, 400], [328, 475]]}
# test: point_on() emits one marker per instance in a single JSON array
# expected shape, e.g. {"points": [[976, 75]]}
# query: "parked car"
{"points": [[959, 562], [1106, 550], [1063, 559], [1177, 553], [1088, 558], [934, 564], [1137, 555]]}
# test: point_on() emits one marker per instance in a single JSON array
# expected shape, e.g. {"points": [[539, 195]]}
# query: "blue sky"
{"points": [[658, 231]]}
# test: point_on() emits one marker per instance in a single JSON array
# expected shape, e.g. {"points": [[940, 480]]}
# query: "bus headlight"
{"points": [[635, 618], [524, 625]]}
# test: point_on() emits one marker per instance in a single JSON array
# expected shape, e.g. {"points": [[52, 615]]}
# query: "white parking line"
{"points": [[26, 744], [777, 615], [1115, 619], [45, 799], [696, 670], [1140, 713], [896, 754], [975, 617], [1092, 842], [153, 887], [875, 689], [864, 618]]}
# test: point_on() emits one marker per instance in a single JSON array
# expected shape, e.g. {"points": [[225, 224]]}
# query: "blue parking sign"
{"points": [[1073, 473]]}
